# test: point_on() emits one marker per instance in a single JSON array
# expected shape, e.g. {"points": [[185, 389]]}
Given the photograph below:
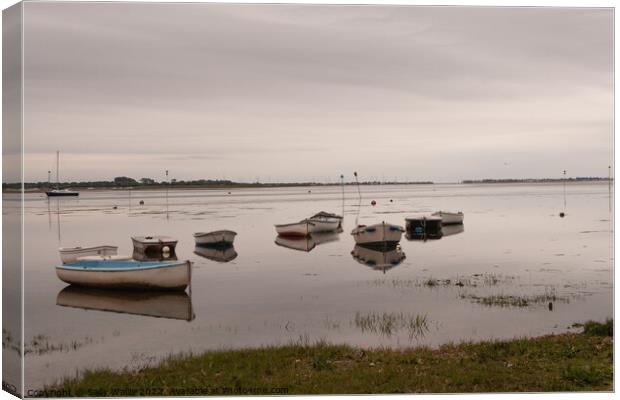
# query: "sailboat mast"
{"points": [[57, 166]]}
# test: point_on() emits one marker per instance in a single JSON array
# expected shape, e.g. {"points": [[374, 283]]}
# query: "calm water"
{"points": [[514, 248]]}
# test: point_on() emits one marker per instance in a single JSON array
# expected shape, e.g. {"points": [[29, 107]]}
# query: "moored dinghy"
{"points": [[71, 254], [383, 235], [151, 275], [450, 218], [299, 229], [329, 217], [221, 238], [154, 244]]}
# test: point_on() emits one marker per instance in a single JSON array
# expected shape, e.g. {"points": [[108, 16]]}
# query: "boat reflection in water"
{"points": [[219, 254], [164, 304], [309, 242], [446, 230], [377, 259]]}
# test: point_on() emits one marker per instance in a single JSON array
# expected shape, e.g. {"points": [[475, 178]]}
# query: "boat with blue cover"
{"points": [[112, 274]]}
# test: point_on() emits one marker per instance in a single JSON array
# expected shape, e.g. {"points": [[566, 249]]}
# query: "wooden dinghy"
{"points": [[172, 305], [144, 275], [308, 226], [450, 218], [221, 238], [154, 244], [329, 217], [383, 235], [71, 254]]}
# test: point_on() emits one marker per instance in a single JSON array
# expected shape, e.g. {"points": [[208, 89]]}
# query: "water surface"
{"points": [[515, 269]]}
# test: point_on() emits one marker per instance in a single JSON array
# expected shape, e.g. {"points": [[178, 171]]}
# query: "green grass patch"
{"points": [[567, 362], [594, 328]]}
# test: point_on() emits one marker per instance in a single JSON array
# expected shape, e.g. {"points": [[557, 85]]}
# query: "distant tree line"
{"points": [[124, 182], [541, 180]]}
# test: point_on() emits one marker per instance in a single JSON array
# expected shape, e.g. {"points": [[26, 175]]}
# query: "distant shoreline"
{"points": [[38, 187]]}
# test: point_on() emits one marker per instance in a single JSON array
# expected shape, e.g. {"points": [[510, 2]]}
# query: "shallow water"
{"points": [[494, 279]]}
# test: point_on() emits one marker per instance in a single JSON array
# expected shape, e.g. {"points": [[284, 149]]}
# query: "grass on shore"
{"points": [[566, 362]]}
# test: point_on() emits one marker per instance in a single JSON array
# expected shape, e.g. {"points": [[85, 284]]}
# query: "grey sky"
{"points": [[292, 92]]}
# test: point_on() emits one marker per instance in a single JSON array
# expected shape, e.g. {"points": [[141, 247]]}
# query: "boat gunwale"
{"points": [[201, 234], [79, 248], [74, 267]]}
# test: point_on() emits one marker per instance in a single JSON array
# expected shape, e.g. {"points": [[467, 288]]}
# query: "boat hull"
{"points": [[298, 229], [71, 254], [449, 218], [171, 276], [153, 244], [324, 224], [52, 193], [221, 238], [381, 236]]}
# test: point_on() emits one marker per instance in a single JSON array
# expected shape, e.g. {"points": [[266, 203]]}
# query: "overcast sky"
{"points": [[296, 93]]}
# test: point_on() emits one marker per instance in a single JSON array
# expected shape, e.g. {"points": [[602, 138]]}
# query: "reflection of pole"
{"points": [[609, 185], [49, 214], [342, 185], [359, 205], [58, 220], [564, 184]]}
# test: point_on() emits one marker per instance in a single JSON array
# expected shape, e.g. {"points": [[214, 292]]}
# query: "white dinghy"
{"points": [[324, 216], [450, 218], [221, 238], [306, 227], [71, 254], [383, 235], [150, 275], [154, 244]]}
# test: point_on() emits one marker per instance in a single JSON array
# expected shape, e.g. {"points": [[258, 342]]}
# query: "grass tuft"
{"points": [[594, 328]]}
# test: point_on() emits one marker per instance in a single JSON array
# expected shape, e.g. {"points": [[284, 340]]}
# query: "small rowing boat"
{"points": [[151, 275], [154, 244], [450, 218], [71, 254], [307, 226], [221, 238], [328, 217], [383, 235]]}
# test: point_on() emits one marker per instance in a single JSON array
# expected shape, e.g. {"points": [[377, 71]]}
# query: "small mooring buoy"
{"points": [[550, 306], [114, 208], [141, 202], [228, 192], [373, 203], [309, 191], [562, 215], [391, 201]]}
